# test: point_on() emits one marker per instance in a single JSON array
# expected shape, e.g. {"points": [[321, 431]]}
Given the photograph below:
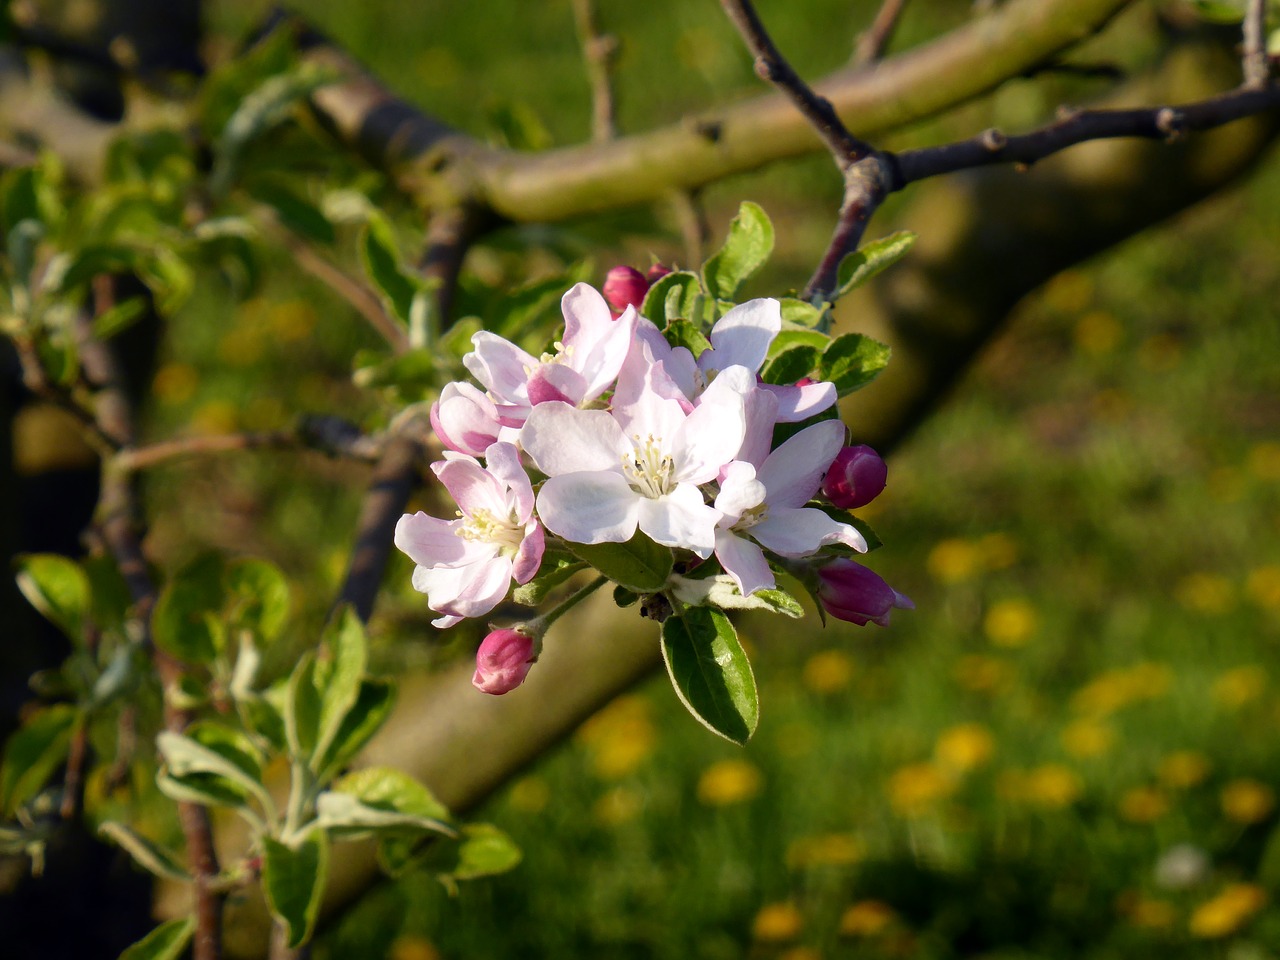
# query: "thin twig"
{"points": [[1256, 65], [598, 53], [772, 66], [872, 42], [36, 379], [695, 230]]}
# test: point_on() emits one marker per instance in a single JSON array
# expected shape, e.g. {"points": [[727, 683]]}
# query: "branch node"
{"points": [[1172, 123], [994, 140]]}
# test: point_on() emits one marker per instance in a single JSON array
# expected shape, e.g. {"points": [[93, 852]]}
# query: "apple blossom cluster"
{"points": [[616, 433]]}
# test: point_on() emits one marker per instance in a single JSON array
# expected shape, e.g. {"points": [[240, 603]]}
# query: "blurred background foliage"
{"points": [[1068, 750]]}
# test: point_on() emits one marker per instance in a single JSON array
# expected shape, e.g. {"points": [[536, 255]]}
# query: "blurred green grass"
{"points": [[1068, 750]]}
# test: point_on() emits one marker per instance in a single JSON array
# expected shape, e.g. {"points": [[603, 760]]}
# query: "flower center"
{"points": [[647, 468], [504, 533], [751, 516]]}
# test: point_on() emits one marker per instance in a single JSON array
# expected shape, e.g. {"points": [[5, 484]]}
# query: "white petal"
{"points": [[470, 591], [503, 462], [589, 507], [798, 533], [797, 403], [555, 381], [432, 542], [472, 487], [794, 471], [712, 434], [761, 417], [742, 336], [745, 562], [501, 366], [562, 439], [680, 519], [529, 556], [739, 492]]}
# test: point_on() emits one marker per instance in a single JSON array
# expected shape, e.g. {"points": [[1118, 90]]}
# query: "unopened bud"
{"points": [[503, 661], [849, 591], [856, 477], [624, 287]]}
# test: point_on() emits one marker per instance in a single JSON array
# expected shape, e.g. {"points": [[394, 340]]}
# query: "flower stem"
{"points": [[541, 624]]}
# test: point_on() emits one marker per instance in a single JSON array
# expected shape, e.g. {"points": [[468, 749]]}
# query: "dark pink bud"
{"points": [[656, 273], [849, 591], [624, 287], [856, 477], [503, 661]]}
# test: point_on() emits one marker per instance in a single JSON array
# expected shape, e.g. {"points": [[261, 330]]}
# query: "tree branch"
{"points": [[598, 53], [872, 42], [1257, 67]]}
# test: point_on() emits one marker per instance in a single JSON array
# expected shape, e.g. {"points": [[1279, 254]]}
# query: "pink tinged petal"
{"points": [[743, 335], [503, 462], [465, 419], [680, 519], [745, 562], [562, 439], [712, 434], [595, 507], [761, 413], [470, 591], [529, 556], [799, 533], [444, 623], [431, 542], [500, 365], [554, 381], [472, 487], [794, 471], [739, 491], [601, 362], [800, 402], [587, 318]]}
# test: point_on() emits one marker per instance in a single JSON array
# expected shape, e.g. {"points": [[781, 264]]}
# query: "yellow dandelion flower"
{"points": [[1240, 685], [998, 551], [915, 789], [216, 416], [727, 782], [952, 561], [828, 671], [1143, 805], [1097, 332], [1247, 801], [827, 850], [241, 346], [1264, 460], [1227, 912], [800, 953], [617, 806], [1207, 593], [1053, 785], [412, 947], [1084, 739], [1010, 623], [778, 921], [1183, 768], [529, 795], [1114, 689], [175, 383], [964, 747], [982, 674], [620, 737], [1263, 586], [866, 918]]}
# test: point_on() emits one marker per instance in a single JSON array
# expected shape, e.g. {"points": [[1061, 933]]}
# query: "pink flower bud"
{"points": [[503, 661], [624, 287], [656, 273], [849, 591], [856, 477]]}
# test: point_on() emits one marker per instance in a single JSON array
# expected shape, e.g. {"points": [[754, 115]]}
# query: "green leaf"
{"points": [[295, 210], [557, 567], [260, 596], [639, 564], [852, 361], [165, 942], [293, 880], [348, 649], [711, 672], [861, 265], [119, 318], [34, 752], [413, 370], [345, 816], [58, 588], [682, 333], [182, 623], [787, 339], [745, 250], [363, 720], [801, 313], [170, 278], [302, 704], [484, 851], [672, 297], [119, 677], [380, 255], [214, 759], [791, 364], [381, 798], [149, 855], [1219, 11]]}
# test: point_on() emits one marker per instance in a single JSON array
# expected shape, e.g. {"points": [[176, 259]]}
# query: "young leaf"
{"points": [[800, 312], [364, 719], [58, 588], [861, 265], [148, 855], [483, 851], [261, 597], [380, 255], [182, 624], [302, 704], [293, 880], [345, 640], [791, 364], [346, 816], [165, 942], [119, 318], [786, 339], [295, 211], [711, 672], [639, 564], [682, 333], [745, 250], [853, 361], [33, 753], [215, 759], [672, 298]]}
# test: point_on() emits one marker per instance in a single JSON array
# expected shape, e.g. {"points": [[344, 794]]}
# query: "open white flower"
{"points": [[639, 465]]}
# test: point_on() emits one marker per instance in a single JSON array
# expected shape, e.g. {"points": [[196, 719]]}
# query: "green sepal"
{"points": [[710, 672], [639, 564]]}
